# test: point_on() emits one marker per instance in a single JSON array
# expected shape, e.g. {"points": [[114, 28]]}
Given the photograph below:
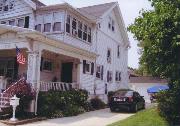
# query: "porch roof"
{"points": [[40, 37]]}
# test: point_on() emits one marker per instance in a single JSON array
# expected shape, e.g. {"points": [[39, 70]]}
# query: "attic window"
{"points": [[111, 24]]}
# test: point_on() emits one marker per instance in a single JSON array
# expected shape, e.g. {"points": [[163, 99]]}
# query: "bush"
{"points": [[62, 103], [169, 102], [97, 103]]}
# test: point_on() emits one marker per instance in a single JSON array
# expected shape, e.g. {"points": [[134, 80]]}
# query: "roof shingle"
{"points": [[97, 10]]}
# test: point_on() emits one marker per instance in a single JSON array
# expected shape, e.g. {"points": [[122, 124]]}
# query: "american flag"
{"points": [[20, 57]]}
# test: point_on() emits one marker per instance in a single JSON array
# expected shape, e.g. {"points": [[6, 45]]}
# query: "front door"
{"points": [[66, 72]]}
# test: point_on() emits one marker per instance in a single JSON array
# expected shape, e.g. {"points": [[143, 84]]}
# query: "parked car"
{"points": [[126, 99]]}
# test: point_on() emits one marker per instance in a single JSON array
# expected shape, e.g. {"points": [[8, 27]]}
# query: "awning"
{"points": [[156, 89]]}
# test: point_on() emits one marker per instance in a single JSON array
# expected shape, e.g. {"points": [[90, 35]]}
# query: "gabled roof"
{"points": [[97, 10], [38, 3]]}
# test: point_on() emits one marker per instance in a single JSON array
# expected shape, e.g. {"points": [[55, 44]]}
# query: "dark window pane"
{"points": [[57, 26], [47, 27]]}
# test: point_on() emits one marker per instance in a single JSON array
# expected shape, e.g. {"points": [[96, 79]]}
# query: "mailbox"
{"points": [[14, 101]]}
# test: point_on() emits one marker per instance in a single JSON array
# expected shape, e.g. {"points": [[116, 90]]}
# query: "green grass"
{"points": [[149, 117]]}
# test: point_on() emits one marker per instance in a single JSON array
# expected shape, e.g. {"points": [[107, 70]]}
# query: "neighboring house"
{"points": [[83, 48], [142, 83]]}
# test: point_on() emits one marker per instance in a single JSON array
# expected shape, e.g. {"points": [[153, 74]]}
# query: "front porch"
{"points": [[57, 71]]}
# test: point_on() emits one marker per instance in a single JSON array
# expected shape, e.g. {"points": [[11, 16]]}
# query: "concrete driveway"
{"points": [[94, 118]]}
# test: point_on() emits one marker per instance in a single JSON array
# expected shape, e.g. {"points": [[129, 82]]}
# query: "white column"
{"points": [[33, 70]]}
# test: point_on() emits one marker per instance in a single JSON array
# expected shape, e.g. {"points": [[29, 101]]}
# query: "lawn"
{"points": [[149, 117]]}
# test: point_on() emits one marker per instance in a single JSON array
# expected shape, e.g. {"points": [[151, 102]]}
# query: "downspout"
{"points": [[95, 86]]}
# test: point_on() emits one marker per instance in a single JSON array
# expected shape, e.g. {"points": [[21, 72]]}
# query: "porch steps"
{"points": [[19, 87]]}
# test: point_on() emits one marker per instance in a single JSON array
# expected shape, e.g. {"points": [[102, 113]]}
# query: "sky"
{"points": [[129, 9]]}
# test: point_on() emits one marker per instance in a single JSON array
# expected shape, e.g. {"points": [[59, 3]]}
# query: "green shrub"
{"points": [[97, 103], [169, 104], [62, 103]]}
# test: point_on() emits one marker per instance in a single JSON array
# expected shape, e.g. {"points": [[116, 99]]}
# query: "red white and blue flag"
{"points": [[20, 58]]}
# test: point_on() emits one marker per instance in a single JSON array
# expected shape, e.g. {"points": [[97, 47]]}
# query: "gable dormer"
{"points": [[17, 13]]}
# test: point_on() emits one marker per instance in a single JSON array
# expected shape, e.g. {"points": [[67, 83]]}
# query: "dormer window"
{"points": [[57, 26]]}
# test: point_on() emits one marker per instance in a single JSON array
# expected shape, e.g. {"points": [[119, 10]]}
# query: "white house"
{"points": [[84, 48]]}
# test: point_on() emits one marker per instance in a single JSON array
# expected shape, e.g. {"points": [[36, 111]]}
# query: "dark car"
{"points": [[126, 99]]}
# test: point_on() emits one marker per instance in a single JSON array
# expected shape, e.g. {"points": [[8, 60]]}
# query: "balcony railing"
{"points": [[57, 86]]}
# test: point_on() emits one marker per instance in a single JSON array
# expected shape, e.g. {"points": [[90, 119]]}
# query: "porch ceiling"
{"points": [[40, 37]]}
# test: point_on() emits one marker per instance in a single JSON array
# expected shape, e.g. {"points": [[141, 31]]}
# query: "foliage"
{"points": [[62, 103], [157, 32], [149, 117], [97, 103]]}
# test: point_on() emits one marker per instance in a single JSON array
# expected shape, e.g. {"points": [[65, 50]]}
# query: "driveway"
{"points": [[94, 118]]}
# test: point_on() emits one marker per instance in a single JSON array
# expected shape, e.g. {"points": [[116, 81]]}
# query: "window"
{"points": [[109, 56], [85, 33], [88, 67], [68, 20], [1, 7], [109, 76], [3, 22], [118, 76], [47, 65], [89, 35], [12, 22], [74, 25], [113, 27], [38, 27], [79, 29], [98, 71], [20, 22], [57, 26], [47, 27], [111, 24], [118, 51]]}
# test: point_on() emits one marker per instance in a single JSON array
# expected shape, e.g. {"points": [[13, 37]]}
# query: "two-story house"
{"points": [[64, 47]]}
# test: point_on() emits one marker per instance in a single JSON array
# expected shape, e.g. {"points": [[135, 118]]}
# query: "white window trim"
{"points": [[89, 63]]}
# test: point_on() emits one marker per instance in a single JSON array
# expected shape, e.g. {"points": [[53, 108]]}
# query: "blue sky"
{"points": [[130, 10]]}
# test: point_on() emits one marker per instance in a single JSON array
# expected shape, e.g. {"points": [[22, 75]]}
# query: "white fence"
{"points": [[57, 86]]}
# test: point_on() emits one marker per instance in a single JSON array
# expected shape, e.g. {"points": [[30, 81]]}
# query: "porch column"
{"points": [[33, 68]]}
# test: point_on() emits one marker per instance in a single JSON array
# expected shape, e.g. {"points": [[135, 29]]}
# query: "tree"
{"points": [[157, 32]]}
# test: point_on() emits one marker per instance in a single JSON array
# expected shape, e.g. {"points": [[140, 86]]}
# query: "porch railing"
{"points": [[57, 86]]}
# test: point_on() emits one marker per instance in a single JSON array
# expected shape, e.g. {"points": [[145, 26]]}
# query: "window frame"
{"points": [[44, 30], [22, 18], [54, 26], [98, 71], [118, 51], [43, 65], [88, 63], [110, 76], [11, 21], [68, 22], [118, 76], [80, 30], [109, 56], [37, 27]]}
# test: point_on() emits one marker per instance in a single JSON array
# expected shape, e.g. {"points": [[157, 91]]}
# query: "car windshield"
{"points": [[124, 93]]}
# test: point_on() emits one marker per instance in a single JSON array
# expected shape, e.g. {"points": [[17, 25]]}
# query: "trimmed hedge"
{"points": [[97, 103], [55, 104]]}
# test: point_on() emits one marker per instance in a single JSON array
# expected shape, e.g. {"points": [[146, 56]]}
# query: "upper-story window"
{"points": [[118, 76], [109, 55], [20, 22], [79, 29], [74, 26], [85, 33], [3, 22], [109, 76], [6, 5], [111, 24], [38, 27], [12, 22], [57, 26], [47, 27], [89, 35], [68, 21], [118, 51]]}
